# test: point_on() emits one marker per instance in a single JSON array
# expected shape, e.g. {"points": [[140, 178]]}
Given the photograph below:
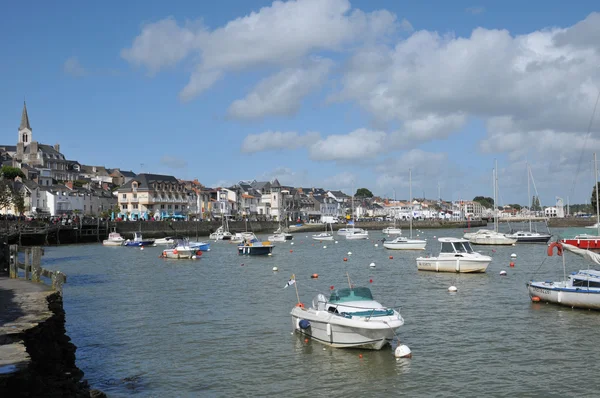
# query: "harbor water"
{"points": [[220, 325]]}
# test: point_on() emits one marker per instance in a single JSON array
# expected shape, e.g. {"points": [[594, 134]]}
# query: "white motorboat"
{"points": [[114, 239], [357, 234], [351, 318], [456, 255], [580, 289], [402, 243], [347, 231], [324, 235], [181, 250], [470, 235], [281, 232], [220, 234], [491, 238], [167, 240], [254, 247], [278, 237], [392, 231]]}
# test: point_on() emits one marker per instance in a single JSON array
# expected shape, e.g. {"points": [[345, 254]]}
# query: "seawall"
{"points": [[571, 222], [37, 358], [160, 229]]}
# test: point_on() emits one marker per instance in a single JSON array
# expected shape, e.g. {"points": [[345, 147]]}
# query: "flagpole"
{"points": [[296, 286]]}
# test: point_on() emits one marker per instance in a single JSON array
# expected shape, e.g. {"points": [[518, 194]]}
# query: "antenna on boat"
{"points": [[349, 283]]}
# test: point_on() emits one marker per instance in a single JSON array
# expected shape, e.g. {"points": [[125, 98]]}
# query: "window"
{"points": [[135, 206], [135, 195], [447, 247], [150, 207], [169, 207], [162, 206], [124, 196], [176, 207], [124, 207]]}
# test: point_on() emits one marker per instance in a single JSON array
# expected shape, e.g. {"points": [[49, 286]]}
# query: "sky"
{"points": [[335, 94]]}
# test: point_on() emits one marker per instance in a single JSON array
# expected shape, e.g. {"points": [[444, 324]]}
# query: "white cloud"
{"points": [[173, 162], [274, 140], [281, 35], [73, 67], [406, 26], [357, 145], [282, 93]]}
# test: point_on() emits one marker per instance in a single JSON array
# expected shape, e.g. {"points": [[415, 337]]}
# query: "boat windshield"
{"points": [[463, 247], [346, 295]]}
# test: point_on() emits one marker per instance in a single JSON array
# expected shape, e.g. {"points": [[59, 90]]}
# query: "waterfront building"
{"points": [[156, 196]]}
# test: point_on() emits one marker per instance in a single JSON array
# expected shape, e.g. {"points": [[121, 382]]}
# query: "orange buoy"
{"points": [[391, 257], [370, 280], [314, 276], [199, 253], [175, 251], [291, 251], [512, 264], [300, 305], [306, 340], [535, 299], [345, 259], [360, 356]]}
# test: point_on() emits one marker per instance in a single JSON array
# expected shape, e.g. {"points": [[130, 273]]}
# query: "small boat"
{"points": [[278, 237], [285, 235], [181, 250], [402, 243], [220, 234], [456, 255], [114, 239], [351, 318], [255, 247], [470, 235], [392, 231], [580, 289], [203, 246], [324, 235], [529, 237], [491, 238], [167, 240], [138, 240], [357, 234]]}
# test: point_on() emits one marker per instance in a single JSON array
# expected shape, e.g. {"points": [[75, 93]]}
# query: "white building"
{"points": [[557, 211]]}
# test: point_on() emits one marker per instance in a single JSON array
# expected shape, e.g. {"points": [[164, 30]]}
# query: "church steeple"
{"points": [[24, 118]]}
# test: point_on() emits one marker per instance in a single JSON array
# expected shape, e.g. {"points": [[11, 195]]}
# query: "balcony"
{"points": [[122, 200], [134, 200]]}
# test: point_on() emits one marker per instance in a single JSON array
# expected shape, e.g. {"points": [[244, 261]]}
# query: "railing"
{"points": [[32, 267], [134, 200]]}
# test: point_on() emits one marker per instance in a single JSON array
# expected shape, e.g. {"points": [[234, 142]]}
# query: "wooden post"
{"points": [[36, 261], [13, 258], [98, 229], [58, 279], [27, 265]]}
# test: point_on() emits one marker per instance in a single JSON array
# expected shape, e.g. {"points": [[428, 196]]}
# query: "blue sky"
{"points": [[351, 97]]}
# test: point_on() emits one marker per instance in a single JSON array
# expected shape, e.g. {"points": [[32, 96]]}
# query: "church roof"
{"points": [[24, 119]]}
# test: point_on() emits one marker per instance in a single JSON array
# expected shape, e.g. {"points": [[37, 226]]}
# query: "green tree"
{"points": [[516, 206], [535, 204], [364, 193], [5, 194], [18, 201], [10, 173], [485, 201], [593, 200]]}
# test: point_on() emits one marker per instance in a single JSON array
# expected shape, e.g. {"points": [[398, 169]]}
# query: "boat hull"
{"points": [[320, 238], [566, 296], [179, 254], [392, 231], [414, 245], [139, 243], [452, 265], [339, 332], [493, 241], [534, 239], [112, 242], [255, 250], [360, 236], [589, 244]]}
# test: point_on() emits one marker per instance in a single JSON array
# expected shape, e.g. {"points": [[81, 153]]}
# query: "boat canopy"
{"points": [[347, 295], [457, 246]]}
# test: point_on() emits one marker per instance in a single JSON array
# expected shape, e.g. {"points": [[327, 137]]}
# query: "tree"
{"points": [[18, 201], [363, 192], [485, 201], [10, 173], [515, 206], [5, 194], [535, 204], [593, 199]]}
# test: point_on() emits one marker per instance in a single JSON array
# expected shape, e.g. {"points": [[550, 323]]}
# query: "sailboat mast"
{"points": [[495, 195], [410, 198], [529, 194], [597, 202]]}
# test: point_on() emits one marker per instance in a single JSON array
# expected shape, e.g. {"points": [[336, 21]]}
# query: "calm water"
{"points": [[146, 326]]}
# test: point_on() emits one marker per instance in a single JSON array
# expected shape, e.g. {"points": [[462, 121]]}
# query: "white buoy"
{"points": [[194, 257], [402, 351], [270, 254], [452, 289], [513, 244], [376, 245], [336, 241], [208, 249], [291, 243], [372, 265], [324, 247], [275, 269], [349, 253], [434, 237], [142, 248], [503, 273], [514, 255]]}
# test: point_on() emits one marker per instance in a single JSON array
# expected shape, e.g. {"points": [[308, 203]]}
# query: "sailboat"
{"points": [[392, 229], [222, 233], [324, 235], [402, 243], [586, 241], [279, 235], [355, 233], [484, 237], [531, 236]]}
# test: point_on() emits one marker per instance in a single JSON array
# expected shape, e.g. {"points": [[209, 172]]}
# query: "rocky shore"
{"points": [[37, 358]]}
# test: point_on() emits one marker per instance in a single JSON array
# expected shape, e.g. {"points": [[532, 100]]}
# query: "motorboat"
{"points": [[392, 231], [351, 318], [255, 247], [580, 289], [348, 231], [280, 232], [114, 239], [167, 240], [278, 237], [470, 235], [456, 255], [220, 234], [324, 235], [403, 243], [357, 234], [138, 240], [529, 237], [491, 238], [181, 250]]}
